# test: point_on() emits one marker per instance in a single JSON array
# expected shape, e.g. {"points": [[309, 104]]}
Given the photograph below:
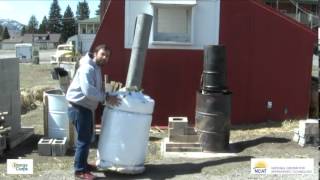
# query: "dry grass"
{"points": [[27, 101], [34, 80], [265, 128], [36, 75], [37, 92]]}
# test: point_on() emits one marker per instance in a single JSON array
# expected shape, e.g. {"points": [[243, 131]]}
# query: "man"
{"points": [[84, 94]]}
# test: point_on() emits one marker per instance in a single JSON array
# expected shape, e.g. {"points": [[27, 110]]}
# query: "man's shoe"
{"points": [[84, 175], [92, 167]]}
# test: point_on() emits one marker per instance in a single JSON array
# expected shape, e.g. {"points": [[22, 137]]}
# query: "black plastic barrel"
{"points": [[213, 120], [214, 68]]}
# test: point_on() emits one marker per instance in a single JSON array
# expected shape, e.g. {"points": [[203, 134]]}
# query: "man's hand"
{"points": [[113, 100]]}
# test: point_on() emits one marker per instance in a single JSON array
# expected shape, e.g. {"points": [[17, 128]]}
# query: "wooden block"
{"points": [[45, 114]]}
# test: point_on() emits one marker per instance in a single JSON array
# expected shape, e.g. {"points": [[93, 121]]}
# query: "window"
{"points": [[90, 28], [172, 21], [83, 29], [96, 27]]}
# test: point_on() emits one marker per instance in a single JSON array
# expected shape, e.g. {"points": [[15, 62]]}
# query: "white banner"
{"points": [[282, 166], [19, 166]]}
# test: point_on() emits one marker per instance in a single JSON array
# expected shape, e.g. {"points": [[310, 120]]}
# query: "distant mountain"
{"points": [[14, 27], [11, 24]]}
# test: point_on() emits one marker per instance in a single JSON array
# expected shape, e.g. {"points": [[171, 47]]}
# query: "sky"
{"points": [[22, 10]]}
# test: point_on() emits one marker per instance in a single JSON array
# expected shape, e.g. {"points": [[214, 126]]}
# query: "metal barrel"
{"points": [[214, 68], [58, 121], [213, 120]]}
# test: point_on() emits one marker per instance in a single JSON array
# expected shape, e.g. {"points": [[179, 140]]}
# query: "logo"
{"points": [[260, 167], [282, 166], [19, 166]]}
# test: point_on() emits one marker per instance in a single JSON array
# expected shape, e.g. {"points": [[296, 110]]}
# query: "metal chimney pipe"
{"points": [[139, 49]]}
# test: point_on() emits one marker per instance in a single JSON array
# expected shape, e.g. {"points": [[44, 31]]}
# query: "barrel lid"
{"points": [[135, 102]]}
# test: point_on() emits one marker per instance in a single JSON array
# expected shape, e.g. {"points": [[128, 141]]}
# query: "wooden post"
{"points": [[45, 114]]}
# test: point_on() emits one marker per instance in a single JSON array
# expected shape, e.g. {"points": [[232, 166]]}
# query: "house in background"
{"points": [[269, 55], [87, 29], [8, 44], [43, 41]]}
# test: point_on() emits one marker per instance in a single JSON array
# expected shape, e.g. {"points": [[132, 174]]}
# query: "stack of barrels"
{"points": [[213, 103]]}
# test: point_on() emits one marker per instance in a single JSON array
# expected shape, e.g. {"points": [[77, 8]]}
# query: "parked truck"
{"points": [[64, 52]]}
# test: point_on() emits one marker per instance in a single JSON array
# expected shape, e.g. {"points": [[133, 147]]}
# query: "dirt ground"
{"points": [[266, 140]]}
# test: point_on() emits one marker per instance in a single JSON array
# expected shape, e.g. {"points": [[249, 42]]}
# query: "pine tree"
{"points": [[83, 11], [68, 25], [5, 34], [55, 24], [23, 30], [1, 31], [43, 28], [32, 25], [98, 10]]}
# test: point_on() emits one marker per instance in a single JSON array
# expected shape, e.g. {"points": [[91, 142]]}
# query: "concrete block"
{"points": [[309, 140], [178, 122], [182, 147], [44, 146], [59, 147], [303, 128], [191, 145], [177, 125], [184, 138], [302, 141], [313, 124], [189, 131], [174, 132], [309, 127], [296, 137]]}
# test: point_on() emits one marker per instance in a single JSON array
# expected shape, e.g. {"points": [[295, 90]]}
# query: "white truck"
{"points": [[64, 52]]}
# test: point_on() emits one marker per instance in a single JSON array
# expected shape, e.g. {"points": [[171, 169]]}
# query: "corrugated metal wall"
{"points": [[268, 58]]}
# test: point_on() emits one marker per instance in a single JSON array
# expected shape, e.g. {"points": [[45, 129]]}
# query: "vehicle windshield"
{"points": [[68, 48]]}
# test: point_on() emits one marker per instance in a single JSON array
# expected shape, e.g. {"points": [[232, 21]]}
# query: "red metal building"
{"points": [[269, 60]]}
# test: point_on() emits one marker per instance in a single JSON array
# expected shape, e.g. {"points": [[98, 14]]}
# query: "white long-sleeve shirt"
{"points": [[86, 88]]}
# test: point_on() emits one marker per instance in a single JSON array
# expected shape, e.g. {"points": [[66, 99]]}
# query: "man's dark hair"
{"points": [[97, 48], [101, 46]]}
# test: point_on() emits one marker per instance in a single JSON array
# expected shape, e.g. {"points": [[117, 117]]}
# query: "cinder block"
{"points": [[177, 125], [189, 131], [44, 146], [307, 140], [309, 127], [178, 122], [302, 141], [302, 128], [313, 124], [59, 147], [296, 137], [184, 138], [183, 147]]}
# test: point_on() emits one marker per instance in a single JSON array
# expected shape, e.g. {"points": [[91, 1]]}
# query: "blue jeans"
{"points": [[82, 120]]}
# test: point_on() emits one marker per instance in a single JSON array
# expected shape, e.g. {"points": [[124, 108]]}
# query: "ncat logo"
{"points": [[259, 167]]}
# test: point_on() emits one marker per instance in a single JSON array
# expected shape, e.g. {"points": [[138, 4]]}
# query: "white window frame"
{"points": [[174, 38]]}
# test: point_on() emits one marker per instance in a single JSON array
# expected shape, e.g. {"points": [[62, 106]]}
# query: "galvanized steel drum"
{"points": [[213, 120], [58, 121], [124, 134]]}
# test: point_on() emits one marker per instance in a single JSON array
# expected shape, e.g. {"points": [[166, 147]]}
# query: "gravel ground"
{"points": [[267, 140]]}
